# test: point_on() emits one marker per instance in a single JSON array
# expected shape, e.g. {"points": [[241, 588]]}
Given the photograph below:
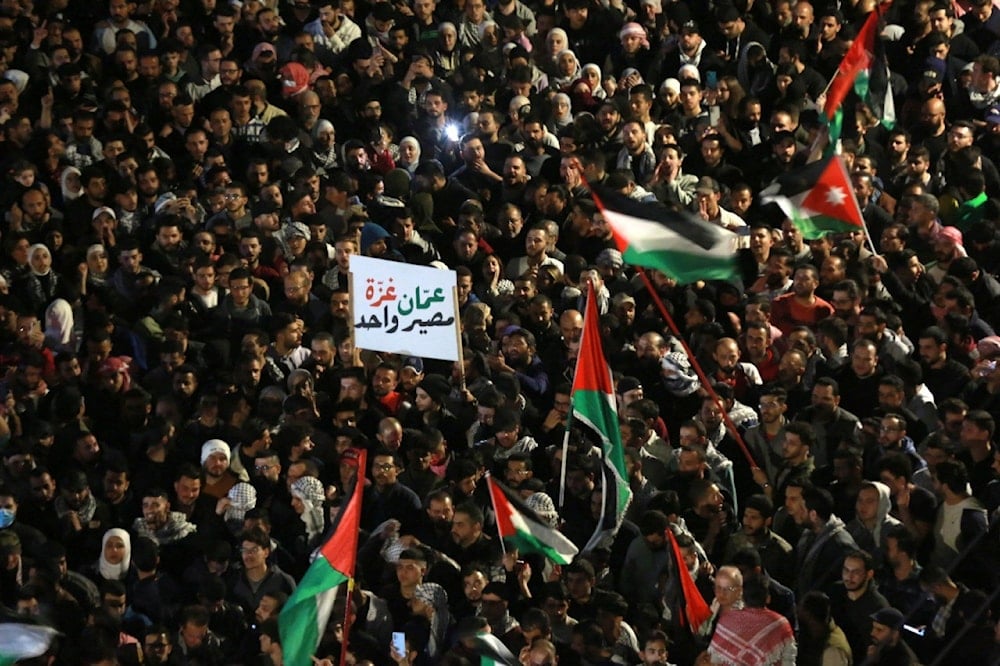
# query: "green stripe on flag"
{"points": [[305, 615]]}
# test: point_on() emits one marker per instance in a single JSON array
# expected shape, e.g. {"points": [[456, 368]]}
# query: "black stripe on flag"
{"points": [[681, 223]]}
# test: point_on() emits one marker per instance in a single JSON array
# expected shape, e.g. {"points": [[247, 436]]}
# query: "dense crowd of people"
{"points": [[183, 404]]}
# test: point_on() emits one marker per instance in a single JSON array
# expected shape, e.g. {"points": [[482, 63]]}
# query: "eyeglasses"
{"points": [[263, 468], [384, 467]]}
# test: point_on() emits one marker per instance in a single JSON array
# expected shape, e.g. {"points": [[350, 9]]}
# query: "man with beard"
{"points": [[520, 358], [824, 542], [777, 277], [760, 352], [636, 155], [742, 377], [433, 528], [797, 461], [872, 326], [764, 440], [83, 518], [515, 181], [944, 376], [694, 51], [830, 423], [792, 371], [800, 307], [859, 379], [854, 599], [468, 541], [536, 256], [272, 493], [710, 518], [190, 502], [647, 555], [170, 530], [540, 159], [332, 30], [776, 554], [121, 501], [215, 456], [609, 119]]}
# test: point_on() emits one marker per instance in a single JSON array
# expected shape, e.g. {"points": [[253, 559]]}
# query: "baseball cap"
{"points": [[707, 184], [414, 363], [265, 208], [103, 210], [890, 617]]}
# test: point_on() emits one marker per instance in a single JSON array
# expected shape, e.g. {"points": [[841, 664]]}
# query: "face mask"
{"points": [[6, 518]]}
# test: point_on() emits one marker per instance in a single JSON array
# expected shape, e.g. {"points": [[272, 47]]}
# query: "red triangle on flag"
{"points": [[833, 195], [592, 373]]}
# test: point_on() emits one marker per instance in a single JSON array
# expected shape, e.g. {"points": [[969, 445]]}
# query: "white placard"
{"points": [[404, 309]]}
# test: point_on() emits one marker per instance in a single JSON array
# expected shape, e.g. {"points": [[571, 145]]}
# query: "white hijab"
{"points": [[115, 571], [59, 323]]}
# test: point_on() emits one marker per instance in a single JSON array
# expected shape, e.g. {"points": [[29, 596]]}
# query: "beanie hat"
{"points": [[215, 446], [437, 387]]}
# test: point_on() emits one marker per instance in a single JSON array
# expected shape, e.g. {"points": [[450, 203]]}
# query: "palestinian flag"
{"points": [[594, 419], [866, 70], [520, 526], [303, 619], [492, 652], [679, 245], [692, 606], [818, 198], [857, 59], [20, 640]]}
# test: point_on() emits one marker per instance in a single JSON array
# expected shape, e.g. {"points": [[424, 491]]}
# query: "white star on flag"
{"points": [[836, 196]]}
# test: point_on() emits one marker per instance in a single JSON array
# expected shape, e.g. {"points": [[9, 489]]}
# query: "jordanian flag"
{"points": [[818, 198], [19, 640], [521, 527], [593, 417], [303, 619], [679, 245]]}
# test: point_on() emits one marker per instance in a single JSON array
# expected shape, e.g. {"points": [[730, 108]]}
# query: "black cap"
{"points": [[890, 617], [75, 481], [265, 208]]}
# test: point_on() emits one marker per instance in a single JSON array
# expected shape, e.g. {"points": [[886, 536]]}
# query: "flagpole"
{"points": [[493, 501], [458, 337], [569, 420], [694, 361], [346, 627], [562, 469], [359, 478], [697, 366]]}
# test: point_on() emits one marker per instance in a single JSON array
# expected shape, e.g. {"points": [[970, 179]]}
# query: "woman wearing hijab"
{"points": [[587, 91], [562, 113], [60, 333], [41, 284], [567, 70], [116, 555], [556, 41], [409, 154]]}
